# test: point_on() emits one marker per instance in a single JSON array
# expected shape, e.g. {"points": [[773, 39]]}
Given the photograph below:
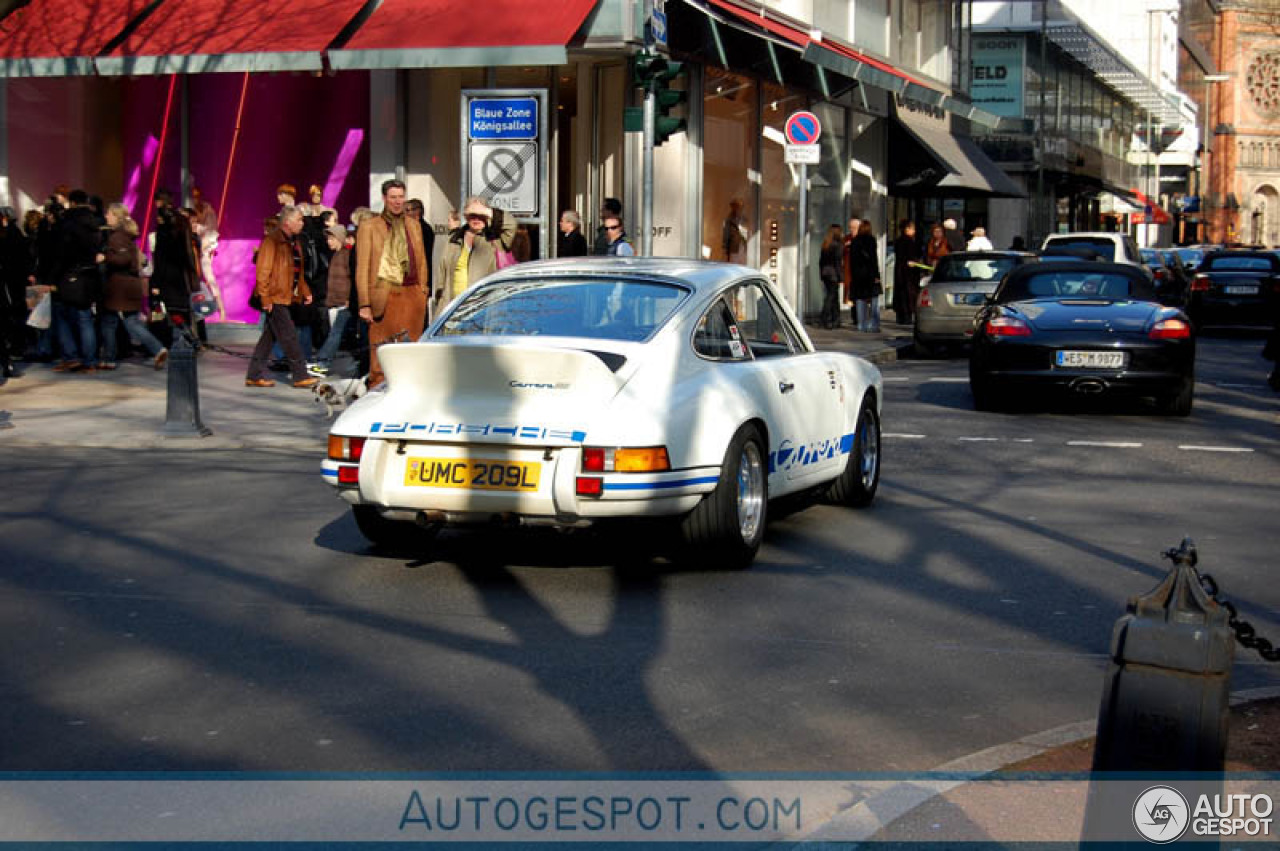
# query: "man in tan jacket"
{"points": [[391, 275], [280, 283]]}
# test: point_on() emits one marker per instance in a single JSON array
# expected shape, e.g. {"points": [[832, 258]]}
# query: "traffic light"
{"points": [[655, 73]]}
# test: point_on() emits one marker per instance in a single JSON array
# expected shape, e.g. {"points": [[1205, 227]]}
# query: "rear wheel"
{"points": [[395, 536], [725, 529], [1178, 404], [861, 477], [985, 395]]}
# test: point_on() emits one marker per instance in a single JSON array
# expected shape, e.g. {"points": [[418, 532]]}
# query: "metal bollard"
{"points": [[1165, 702], [182, 410]]}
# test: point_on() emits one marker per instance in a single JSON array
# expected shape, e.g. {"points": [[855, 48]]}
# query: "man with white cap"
{"points": [[392, 278]]}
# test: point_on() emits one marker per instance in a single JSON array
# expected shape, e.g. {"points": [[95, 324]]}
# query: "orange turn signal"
{"points": [[648, 460], [345, 448]]}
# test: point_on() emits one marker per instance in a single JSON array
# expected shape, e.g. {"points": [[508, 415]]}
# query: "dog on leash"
{"points": [[337, 393]]}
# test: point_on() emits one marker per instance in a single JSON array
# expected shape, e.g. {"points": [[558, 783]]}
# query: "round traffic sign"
{"points": [[803, 128]]}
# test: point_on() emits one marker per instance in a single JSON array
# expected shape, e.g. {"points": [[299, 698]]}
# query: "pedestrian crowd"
{"points": [[79, 291], [84, 285], [849, 267]]}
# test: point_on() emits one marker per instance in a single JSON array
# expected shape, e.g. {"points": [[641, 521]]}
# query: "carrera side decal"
{"points": [[789, 456]]}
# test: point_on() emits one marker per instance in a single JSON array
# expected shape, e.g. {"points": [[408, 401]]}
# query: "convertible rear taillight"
{"points": [[345, 448], [1170, 329], [925, 299], [1007, 326], [1200, 284], [645, 459]]}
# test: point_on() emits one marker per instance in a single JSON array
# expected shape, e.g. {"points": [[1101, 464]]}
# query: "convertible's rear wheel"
{"points": [[726, 528], [395, 536], [857, 484], [1178, 404]]}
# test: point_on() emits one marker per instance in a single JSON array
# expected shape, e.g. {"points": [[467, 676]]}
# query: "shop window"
{"points": [[730, 145]]}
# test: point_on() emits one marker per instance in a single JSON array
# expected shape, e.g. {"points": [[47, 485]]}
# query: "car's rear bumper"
{"points": [[1089, 382], [384, 481], [943, 329]]}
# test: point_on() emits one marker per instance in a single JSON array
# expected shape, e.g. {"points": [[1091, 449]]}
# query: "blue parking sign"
{"points": [[502, 118]]}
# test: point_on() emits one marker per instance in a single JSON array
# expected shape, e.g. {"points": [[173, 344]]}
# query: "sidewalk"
{"points": [[125, 408]]}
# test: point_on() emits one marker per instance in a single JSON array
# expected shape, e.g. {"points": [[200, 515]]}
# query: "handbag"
{"points": [[505, 258], [158, 312], [42, 314], [203, 303]]}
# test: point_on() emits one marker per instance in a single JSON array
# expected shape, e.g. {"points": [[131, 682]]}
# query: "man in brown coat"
{"points": [[280, 283], [391, 275]]}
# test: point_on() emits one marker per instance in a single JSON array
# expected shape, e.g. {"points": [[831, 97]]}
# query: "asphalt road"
{"points": [[219, 610]]}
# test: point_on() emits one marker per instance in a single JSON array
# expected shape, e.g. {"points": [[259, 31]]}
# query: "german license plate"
{"points": [[486, 474], [968, 299], [1240, 290], [1090, 360]]}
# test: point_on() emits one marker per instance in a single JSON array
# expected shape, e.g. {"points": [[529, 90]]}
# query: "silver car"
{"points": [[956, 290]]}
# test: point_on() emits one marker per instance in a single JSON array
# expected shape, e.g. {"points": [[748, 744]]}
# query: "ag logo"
{"points": [[1160, 814]]}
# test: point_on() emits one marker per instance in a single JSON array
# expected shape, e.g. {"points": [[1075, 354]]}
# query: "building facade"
{"points": [[344, 97]]}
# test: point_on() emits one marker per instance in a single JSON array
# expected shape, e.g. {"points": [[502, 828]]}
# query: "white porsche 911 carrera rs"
{"points": [[565, 392]]}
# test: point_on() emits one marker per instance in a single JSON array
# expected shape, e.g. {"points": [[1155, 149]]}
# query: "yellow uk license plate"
{"points": [[488, 474]]}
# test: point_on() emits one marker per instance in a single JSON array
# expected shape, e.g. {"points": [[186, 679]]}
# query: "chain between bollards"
{"points": [[1246, 634]]}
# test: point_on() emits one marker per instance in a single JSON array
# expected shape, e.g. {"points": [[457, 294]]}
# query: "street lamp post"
{"points": [[1209, 81]]}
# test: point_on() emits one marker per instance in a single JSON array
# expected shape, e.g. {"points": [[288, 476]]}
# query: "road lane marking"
{"points": [[904, 436], [1215, 448], [947, 380], [1240, 386], [1110, 444], [979, 439], [887, 378]]}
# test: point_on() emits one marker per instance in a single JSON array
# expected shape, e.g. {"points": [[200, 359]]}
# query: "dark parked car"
{"points": [[1235, 288], [1084, 327], [1168, 275]]}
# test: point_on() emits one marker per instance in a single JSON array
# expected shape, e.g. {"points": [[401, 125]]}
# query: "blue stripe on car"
{"points": [[636, 486]]}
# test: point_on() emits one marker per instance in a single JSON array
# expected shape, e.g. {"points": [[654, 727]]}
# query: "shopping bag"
{"points": [[41, 314]]}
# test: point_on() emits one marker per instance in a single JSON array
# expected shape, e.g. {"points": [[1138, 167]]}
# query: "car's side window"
{"points": [[763, 328], [718, 335]]}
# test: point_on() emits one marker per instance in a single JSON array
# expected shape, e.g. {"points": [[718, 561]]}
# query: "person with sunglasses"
{"points": [[618, 244]]}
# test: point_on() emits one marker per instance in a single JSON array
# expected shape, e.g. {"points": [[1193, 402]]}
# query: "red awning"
{"points": [[197, 36], [461, 33], [54, 38], [794, 33]]}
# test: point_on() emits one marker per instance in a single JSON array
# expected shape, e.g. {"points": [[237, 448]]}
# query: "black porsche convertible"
{"points": [[1082, 327]]}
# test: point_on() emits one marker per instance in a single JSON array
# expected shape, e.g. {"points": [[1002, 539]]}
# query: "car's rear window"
{"points": [[1075, 284], [1153, 258], [599, 309], [972, 269], [1106, 248], [1238, 264]]}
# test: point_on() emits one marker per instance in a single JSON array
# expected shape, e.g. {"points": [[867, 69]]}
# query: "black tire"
{"points": [[392, 536], [1178, 404], [861, 477], [726, 528], [985, 396]]}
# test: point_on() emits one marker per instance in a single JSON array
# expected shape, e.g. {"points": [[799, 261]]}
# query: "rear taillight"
{"points": [[1200, 284], [647, 459], [345, 448], [1007, 326], [925, 299], [1170, 329]]}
